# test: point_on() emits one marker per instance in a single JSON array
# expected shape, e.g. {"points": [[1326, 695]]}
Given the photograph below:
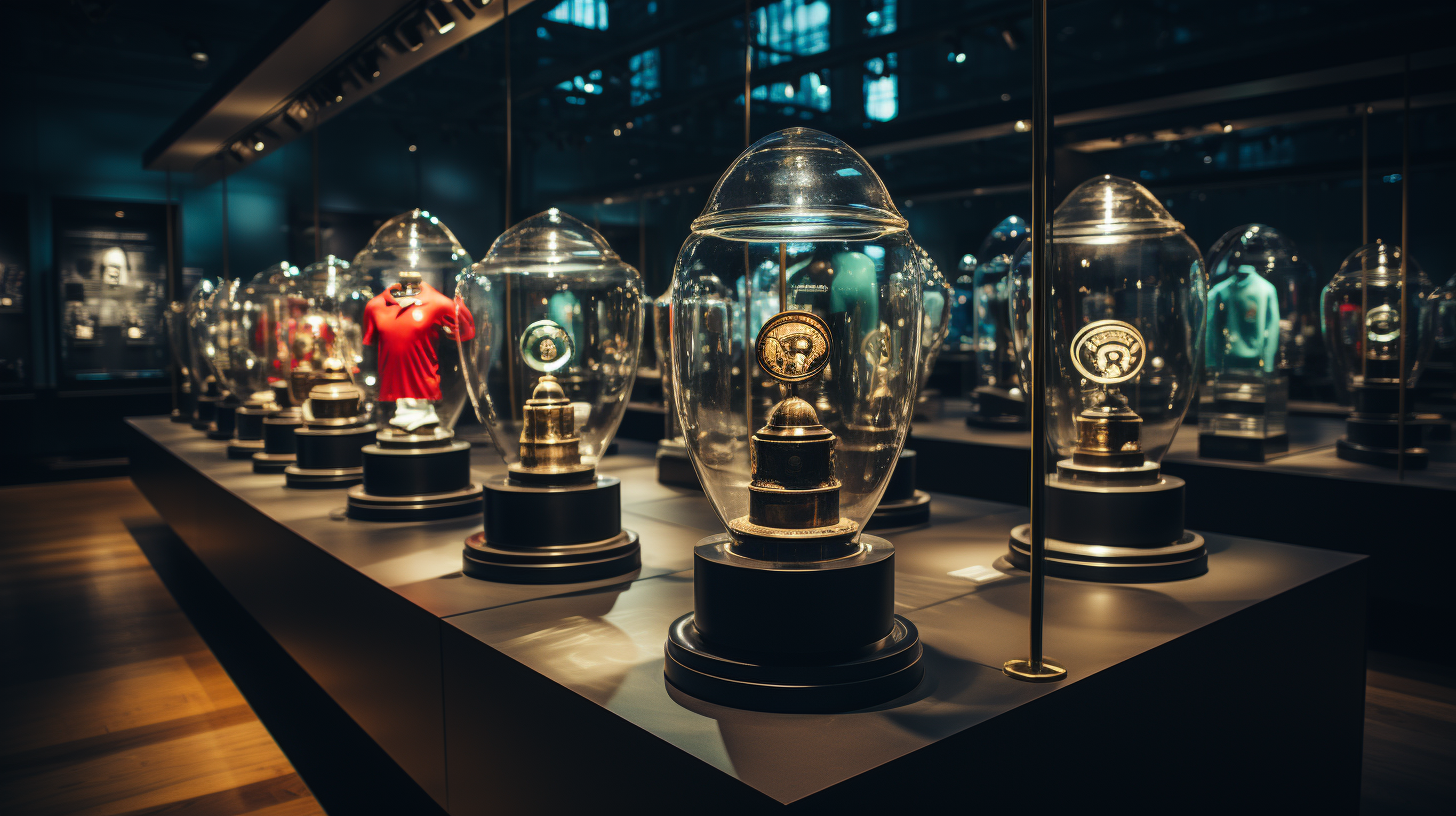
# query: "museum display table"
{"points": [[1206, 695]]}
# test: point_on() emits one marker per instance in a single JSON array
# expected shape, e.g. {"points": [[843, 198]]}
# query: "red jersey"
{"points": [[409, 365]]}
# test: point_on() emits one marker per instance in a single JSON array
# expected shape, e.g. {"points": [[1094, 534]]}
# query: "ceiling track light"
{"points": [[477, 4], [465, 9], [439, 17], [409, 34], [368, 66]]}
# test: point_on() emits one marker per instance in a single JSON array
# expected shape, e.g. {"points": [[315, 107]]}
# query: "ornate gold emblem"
{"points": [[1108, 351], [793, 346]]}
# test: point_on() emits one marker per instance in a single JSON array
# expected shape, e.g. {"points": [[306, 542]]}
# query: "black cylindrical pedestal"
{"points": [[1116, 534], [328, 457], [814, 637], [552, 535], [902, 505], [280, 448], [996, 408], [1373, 433], [186, 409], [224, 421], [673, 465], [248, 432], [1242, 448], [206, 412], [415, 482]]}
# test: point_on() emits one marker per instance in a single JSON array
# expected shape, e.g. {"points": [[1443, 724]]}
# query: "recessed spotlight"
{"points": [[120, 214], [258, 146], [440, 19], [199, 57], [1022, 126], [412, 148], [1228, 128]]}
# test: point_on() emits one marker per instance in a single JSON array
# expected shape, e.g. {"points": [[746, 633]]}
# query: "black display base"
{"points": [[206, 411], [244, 448], [328, 457], [996, 408], [552, 535], [902, 505], [417, 480], [178, 415], [224, 422], [891, 668], [1242, 448], [1114, 533], [674, 467], [1415, 458], [816, 636], [321, 478], [272, 462]]}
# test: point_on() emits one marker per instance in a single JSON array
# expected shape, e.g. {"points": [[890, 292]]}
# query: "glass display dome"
{"points": [[410, 366], [935, 320], [1290, 290], [1443, 308], [212, 330], [1127, 305], [1361, 316], [662, 347], [195, 312], [801, 222], [559, 320], [323, 330], [992, 343], [962, 331], [257, 372], [416, 241]]}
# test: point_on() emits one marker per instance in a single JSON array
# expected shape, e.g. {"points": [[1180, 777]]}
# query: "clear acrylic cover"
{"points": [[993, 346], [552, 301], [1127, 305], [1361, 315], [1274, 257], [799, 222], [410, 367], [259, 361]]}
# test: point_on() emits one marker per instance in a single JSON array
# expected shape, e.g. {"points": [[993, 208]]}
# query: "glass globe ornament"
{"points": [[1126, 305], [1365, 312], [1275, 259], [205, 389], [797, 319], [962, 331], [559, 319], [411, 371], [997, 397]]}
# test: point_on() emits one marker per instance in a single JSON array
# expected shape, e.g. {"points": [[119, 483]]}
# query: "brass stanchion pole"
{"points": [[1036, 668], [1405, 129]]}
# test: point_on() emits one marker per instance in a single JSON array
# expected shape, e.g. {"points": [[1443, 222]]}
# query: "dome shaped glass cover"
{"points": [[797, 311], [1361, 316], [323, 329], [963, 306], [213, 332], [1126, 301], [1443, 309], [413, 241], [199, 338], [559, 320], [258, 357], [1264, 250], [994, 349], [935, 319], [410, 367]]}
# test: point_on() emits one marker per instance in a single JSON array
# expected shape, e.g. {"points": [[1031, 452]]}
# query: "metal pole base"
{"points": [[1022, 669]]}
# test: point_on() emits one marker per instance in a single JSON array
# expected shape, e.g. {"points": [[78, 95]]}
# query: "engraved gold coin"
{"points": [[1108, 352], [793, 346]]}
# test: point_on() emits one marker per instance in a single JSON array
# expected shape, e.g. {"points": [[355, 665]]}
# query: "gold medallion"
{"points": [[1108, 352], [793, 346]]}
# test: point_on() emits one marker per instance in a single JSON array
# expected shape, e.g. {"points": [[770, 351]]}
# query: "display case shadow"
{"points": [[1162, 699]]}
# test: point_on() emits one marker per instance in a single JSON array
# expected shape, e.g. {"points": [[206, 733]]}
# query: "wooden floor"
{"points": [[111, 704]]}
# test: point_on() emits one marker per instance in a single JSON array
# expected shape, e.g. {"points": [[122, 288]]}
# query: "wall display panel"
{"points": [[15, 363], [110, 260]]}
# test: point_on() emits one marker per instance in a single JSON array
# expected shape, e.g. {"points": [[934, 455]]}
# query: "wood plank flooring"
{"points": [[110, 703]]}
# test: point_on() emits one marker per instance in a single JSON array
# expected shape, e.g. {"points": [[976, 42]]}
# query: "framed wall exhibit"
{"points": [[15, 359], [112, 279]]}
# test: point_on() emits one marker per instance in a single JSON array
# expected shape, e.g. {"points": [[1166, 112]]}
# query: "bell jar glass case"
{"points": [[997, 397], [1365, 312], [794, 430], [1126, 307], [559, 320], [1255, 337]]}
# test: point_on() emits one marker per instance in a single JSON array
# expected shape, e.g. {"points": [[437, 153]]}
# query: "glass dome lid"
{"points": [[1127, 305], [1263, 250], [935, 318], [214, 333], [992, 343], [799, 183], [259, 362], [199, 340], [1361, 311], [559, 320], [1110, 205], [413, 242], [797, 309]]}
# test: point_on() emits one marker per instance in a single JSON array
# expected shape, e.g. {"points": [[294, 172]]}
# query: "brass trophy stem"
{"points": [[1036, 668]]}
